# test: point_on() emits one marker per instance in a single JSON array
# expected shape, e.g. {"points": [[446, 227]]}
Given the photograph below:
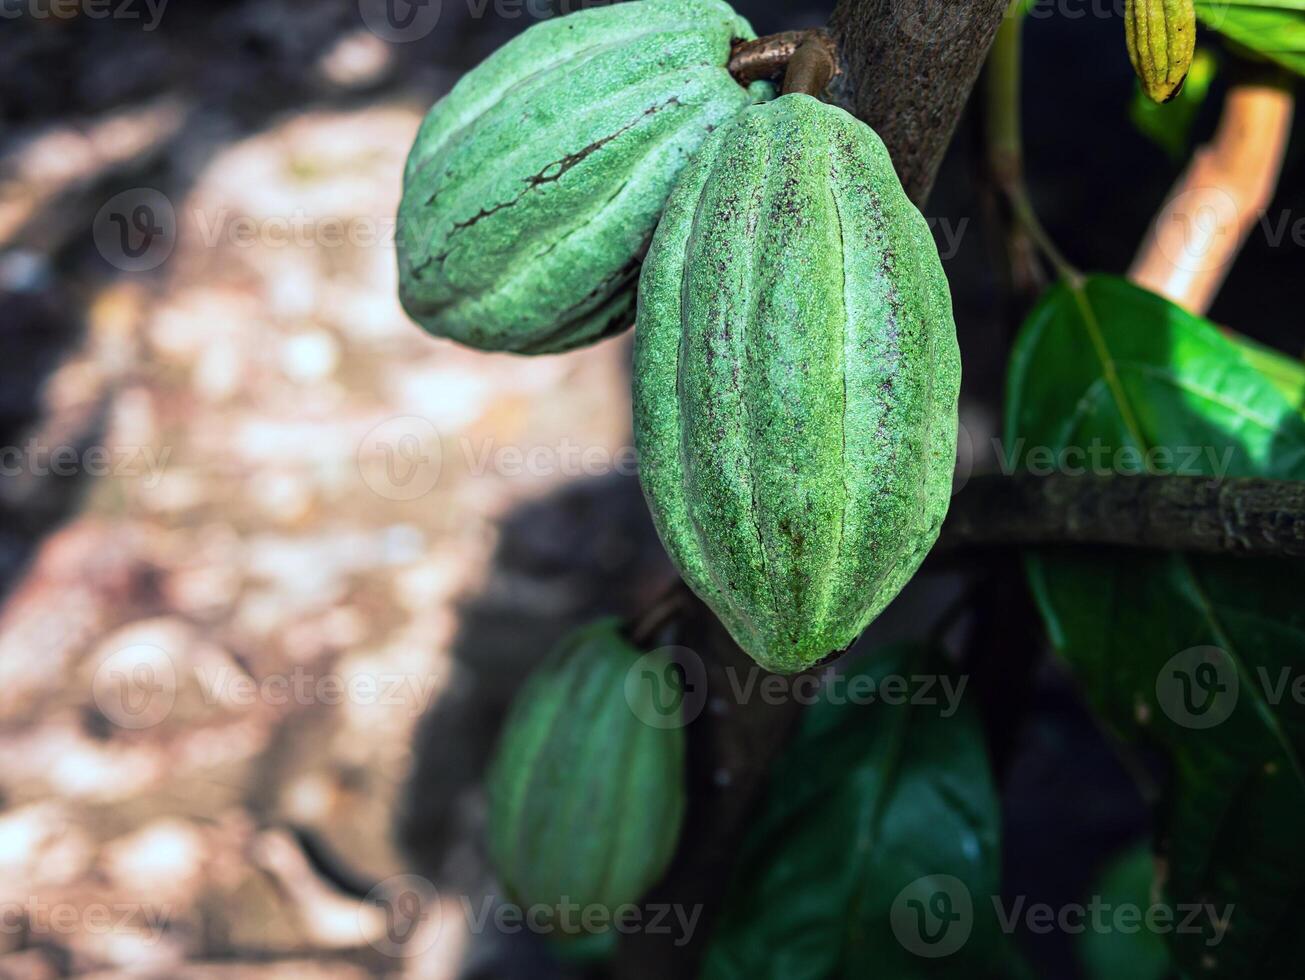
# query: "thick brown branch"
{"points": [[1248, 516], [908, 67]]}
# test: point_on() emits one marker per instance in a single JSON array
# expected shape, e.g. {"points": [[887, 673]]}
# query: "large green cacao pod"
{"points": [[796, 377], [585, 797], [534, 186]]}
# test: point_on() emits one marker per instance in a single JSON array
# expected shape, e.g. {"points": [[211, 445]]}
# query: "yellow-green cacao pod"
{"points": [[796, 377], [1161, 37], [534, 186], [585, 797]]}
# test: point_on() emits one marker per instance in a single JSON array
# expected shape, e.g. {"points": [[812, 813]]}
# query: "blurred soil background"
{"points": [[261, 623]]}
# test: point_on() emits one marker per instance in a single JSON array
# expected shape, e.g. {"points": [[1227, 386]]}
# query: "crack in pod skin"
{"points": [[796, 380], [533, 188]]}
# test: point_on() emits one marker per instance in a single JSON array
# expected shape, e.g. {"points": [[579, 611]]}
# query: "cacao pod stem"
{"points": [[769, 57], [812, 66]]}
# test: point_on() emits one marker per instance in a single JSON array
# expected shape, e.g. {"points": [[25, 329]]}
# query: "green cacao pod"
{"points": [[534, 186], [1161, 38], [796, 377], [585, 797]]}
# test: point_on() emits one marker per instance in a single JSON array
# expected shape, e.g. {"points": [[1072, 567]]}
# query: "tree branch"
{"points": [[765, 57], [1215, 203], [1248, 516], [908, 68]]}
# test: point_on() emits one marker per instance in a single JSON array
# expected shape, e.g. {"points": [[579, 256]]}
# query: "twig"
{"points": [[1247, 516], [1025, 234], [1215, 203], [766, 57]]}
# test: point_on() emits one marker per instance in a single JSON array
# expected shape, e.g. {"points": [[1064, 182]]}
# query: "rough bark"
{"points": [[907, 69], [1248, 517]]}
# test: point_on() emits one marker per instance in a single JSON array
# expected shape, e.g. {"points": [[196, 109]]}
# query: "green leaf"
{"points": [[876, 851], [1180, 653], [1274, 29], [1124, 953], [1169, 124], [1287, 374]]}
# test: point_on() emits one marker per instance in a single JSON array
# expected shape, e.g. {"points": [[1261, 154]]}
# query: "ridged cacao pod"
{"points": [[1161, 38], [586, 798], [534, 186], [796, 377]]}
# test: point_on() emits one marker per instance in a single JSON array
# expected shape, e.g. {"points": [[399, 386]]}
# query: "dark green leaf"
{"points": [[1183, 654], [1272, 28], [879, 816], [1126, 953], [1287, 374], [1169, 124]]}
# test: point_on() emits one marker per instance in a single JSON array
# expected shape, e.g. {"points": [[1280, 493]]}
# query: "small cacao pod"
{"points": [[796, 377], [534, 186], [585, 797], [1161, 38]]}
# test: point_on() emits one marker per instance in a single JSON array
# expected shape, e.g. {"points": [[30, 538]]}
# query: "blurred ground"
{"points": [[278, 492], [275, 560]]}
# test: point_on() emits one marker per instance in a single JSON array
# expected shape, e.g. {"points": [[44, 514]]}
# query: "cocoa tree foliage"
{"points": [[1104, 365], [819, 859], [865, 803]]}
